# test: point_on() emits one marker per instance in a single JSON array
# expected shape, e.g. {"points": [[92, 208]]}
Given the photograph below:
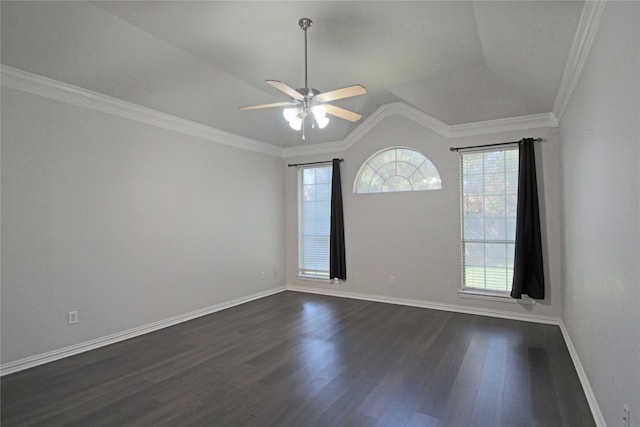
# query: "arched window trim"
{"points": [[375, 172]]}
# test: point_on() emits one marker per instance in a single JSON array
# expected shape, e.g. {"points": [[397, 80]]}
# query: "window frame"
{"points": [[305, 271], [469, 291]]}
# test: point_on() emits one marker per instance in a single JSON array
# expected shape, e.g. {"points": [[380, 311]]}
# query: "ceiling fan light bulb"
{"points": [[296, 123], [322, 121], [319, 111], [290, 113]]}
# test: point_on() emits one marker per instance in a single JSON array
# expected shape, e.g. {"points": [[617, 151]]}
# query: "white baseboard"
{"points": [[586, 386], [432, 305], [50, 356]]}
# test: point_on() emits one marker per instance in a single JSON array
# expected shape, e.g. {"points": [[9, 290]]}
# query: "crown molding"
{"points": [[321, 148], [34, 84], [14, 78], [588, 26], [544, 120]]}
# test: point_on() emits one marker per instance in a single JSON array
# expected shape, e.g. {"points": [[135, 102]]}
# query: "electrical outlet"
{"points": [[392, 280], [73, 317], [262, 275], [626, 416]]}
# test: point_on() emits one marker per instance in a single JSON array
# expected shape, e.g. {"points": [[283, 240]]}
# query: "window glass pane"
{"points": [[388, 170], [309, 176], [494, 184], [410, 156], [473, 165], [323, 175], [511, 208], [418, 181], [494, 162], [474, 227], [309, 192], [511, 228], [511, 159], [405, 169], [364, 179], [314, 221], [431, 175], [489, 198], [394, 170], [323, 192], [382, 158], [495, 255], [474, 205], [396, 183], [495, 228], [494, 205], [512, 182], [376, 184], [473, 184], [474, 254]]}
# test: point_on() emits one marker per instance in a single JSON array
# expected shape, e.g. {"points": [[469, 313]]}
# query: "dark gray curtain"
{"points": [[337, 259], [528, 273]]}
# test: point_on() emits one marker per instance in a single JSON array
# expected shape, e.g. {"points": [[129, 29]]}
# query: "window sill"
{"points": [[313, 279], [495, 296]]}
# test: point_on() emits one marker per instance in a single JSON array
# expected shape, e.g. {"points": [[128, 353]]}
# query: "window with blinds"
{"points": [[489, 201], [314, 221]]}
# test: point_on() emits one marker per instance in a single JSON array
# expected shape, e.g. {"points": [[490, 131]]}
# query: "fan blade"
{"points": [[286, 89], [345, 92], [275, 104], [342, 113]]}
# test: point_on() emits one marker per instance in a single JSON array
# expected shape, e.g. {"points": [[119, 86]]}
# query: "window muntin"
{"points": [[314, 221], [397, 169], [489, 200]]}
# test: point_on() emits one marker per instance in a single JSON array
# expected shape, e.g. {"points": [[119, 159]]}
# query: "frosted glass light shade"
{"points": [[320, 115], [290, 113], [322, 121], [296, 123], [319, 111]]}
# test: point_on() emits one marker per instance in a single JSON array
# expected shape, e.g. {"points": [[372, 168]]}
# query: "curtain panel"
{"points": [[337, 259], [528, 269]]}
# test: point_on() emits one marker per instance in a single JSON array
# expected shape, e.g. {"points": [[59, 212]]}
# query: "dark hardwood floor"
{"points": [[297, 359]]}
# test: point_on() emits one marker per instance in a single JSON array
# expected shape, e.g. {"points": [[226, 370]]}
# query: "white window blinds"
{"points": [[489, 203], [314, 221]]}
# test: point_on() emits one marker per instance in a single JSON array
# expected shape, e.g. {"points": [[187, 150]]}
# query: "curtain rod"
{"points": [[494, 145], [312, 163]]}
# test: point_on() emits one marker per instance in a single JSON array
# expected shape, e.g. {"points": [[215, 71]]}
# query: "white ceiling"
{"points": [[460, 62]]}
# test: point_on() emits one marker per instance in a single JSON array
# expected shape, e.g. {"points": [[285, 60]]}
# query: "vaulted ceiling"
{"points": [[457, 61]]}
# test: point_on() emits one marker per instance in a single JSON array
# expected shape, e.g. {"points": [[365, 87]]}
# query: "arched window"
{"points": [[397, 169]]}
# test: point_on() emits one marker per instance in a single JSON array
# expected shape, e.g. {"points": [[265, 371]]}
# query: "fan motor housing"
{"points": [[308, 92]]}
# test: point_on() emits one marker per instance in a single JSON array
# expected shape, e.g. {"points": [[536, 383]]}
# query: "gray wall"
{"points": [[601, 213], [127, 223], [415, 236]]}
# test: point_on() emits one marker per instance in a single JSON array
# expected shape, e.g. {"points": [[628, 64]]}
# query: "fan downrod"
{"points": [[305, 23]]}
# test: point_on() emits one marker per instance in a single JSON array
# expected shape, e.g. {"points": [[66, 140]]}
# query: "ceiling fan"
{"points": [[309, 100]]}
